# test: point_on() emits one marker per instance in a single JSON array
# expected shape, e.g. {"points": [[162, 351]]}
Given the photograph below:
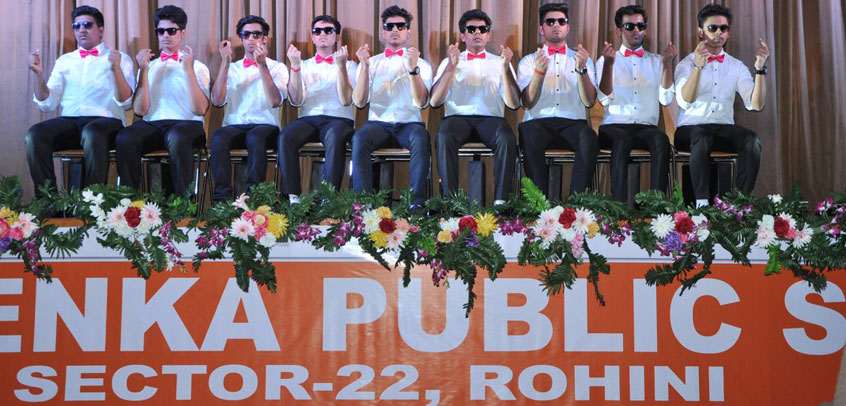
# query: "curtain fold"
{"points": [[802, 128]]}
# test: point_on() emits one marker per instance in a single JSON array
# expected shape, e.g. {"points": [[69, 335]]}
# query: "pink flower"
{"points": [[576, 245], [16, 233], [402, 225], [4, 229], [260, 232]]}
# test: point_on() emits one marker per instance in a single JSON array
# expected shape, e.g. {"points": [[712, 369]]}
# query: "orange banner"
{"points": [[348, 333]]}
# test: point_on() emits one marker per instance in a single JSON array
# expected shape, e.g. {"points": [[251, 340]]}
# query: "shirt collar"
{"points": [[623, 49], [101, 48]]}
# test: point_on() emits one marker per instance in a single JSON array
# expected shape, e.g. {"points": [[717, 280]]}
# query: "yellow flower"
{"points": [[592, 229], [260, 219], [277, 224], [138, 203], [383, 213], [264, 209], [444, 236], [380, 239], [6, 212], [485, 223]]}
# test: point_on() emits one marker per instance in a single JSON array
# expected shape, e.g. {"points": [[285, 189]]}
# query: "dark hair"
{"points": [[173, 14], [713, 10], [474, 14], [550, 7], [628, 11], [251, 19], [88, 11], [327, 19], [395, 11]]}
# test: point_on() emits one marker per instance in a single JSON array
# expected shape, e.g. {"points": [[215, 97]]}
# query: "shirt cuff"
{"points": [[47, 105], [604, 99]]}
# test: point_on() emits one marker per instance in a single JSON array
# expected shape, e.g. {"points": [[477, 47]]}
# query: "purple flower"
{"points": [[438, 272], [306, 233], [357, 207], [512, 227], [4, 244], [672, 242], [471, 240], [339, 240], [422, 254]]}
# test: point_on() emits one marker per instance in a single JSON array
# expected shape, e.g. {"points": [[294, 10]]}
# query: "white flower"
{"points": [[767, 221], [151, 214], [568, 234], [550, 217], [802, 236], [662, 225], [702, 233], [583, 218], [766, 236], [699, 219], [242, 229], [449, 225], [371, 221], [125, 202], [775, 198], [115, 217], [788, 218], [27, 224], [241, 202], [97, 212], [396, 239], [547, 235], [267, 240]]}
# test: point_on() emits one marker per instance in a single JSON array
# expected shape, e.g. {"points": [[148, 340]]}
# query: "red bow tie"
{"points": [[327, 59], [164, 57], [389, 53], [94, 52], [471, 56], [719, 58], [249, 62], [553, 50], [638, 53]]}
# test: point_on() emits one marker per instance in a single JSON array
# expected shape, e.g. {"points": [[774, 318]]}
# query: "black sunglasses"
{"points": [[631, 26], [551, 21], [87, 24], [169, 31], [326, 30], [390, 26], [254, 34], [715, 27], [483, 29]]}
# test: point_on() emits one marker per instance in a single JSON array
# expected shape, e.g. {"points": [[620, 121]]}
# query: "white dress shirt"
{"points": [[246, 102], [477, 87], [718, 81], [320, 89], [637, 89], [169, 99], [560, 94], [85, 86], [390, 89]]}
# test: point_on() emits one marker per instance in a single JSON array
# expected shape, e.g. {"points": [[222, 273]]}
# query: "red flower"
{"points": [[781, 227], [685, 225], [132, 216], [387, 226], [567, 217], [467, 223]]}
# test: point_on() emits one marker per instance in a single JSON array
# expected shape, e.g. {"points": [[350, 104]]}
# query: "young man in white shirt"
{"points": [[706, 81], [396, 85], [252, 89], [557, 84], [475, 85], [322, 88], [172, 97], [94, 86], [632, 84]]}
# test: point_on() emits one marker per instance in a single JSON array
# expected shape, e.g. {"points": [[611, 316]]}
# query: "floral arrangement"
{"points": [[132, 224], [453, 237]]}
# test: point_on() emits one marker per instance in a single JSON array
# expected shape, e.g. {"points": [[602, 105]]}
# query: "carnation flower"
{"points": [[468, 223], [567, 217], [387, 226], [132, 216], [444, 236], [384, 212], [267, 240]]}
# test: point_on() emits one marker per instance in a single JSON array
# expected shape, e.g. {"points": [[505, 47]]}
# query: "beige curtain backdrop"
{"points": [[802, 128]]}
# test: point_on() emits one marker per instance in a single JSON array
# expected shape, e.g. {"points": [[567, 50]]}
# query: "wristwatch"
{"points": [[583, 71], [415, 71], [762, 71]]}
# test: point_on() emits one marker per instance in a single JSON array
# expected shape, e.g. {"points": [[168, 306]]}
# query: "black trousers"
{"points": [[333, 132], [701, 140], [179, 137], [378, 134], [536, 136], [494, 132], [621, 139], [256, 138], [96, 136]]}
